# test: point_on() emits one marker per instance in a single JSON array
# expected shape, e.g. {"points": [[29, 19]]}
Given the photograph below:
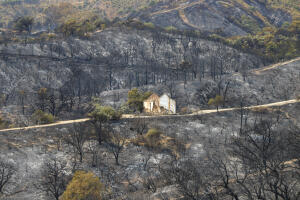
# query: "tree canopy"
{"points": [[272, 44], [84, 185], [24, 24], [104, 113], [136, 98], [100, 116], [217, 101], [80, 26]]}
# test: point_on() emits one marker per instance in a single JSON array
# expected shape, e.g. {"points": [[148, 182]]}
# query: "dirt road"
{"points": [[258, 71], [126, 116], [182, 7]]}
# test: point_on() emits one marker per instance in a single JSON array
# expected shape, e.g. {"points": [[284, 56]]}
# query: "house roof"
{"points": [[152, 97]]}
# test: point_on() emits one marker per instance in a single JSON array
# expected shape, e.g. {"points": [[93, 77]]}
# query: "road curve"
{"points": [[258, 71], [126, 116], [182, 7]]}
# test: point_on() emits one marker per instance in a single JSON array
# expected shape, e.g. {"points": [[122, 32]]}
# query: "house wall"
{"points": [[147, 106], [152, 104], [173, 106], [167, 103]]}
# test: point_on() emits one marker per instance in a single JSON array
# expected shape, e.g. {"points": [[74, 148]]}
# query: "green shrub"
{"points": [[41, 117], [84, 185], [250, 23], [217, 101], [47, 36], [104, 113], [152, 137], [124, 108], [74, 26], [100, 116], [271, 44], [136, 99], [149, 25], [170, 28], [155, 140], [153, 133]]}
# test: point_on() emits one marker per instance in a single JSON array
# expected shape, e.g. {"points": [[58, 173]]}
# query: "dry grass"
{"points": [[160, 142]]}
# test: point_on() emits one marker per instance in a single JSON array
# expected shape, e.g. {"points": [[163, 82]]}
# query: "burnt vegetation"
{"points": [[76, 64]]}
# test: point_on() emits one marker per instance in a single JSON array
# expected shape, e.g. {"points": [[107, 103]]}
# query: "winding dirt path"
{"points": [[182, 7], [186, 20], [258, 71], [47, 125], [203, 112], [126, 116], [181, 13]]}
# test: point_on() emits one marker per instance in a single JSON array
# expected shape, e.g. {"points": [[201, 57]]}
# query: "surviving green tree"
{"points": [[100, 116]]}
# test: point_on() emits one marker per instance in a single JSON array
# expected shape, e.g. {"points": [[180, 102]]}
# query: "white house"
{"points": [[156, 104], [167, 103]]}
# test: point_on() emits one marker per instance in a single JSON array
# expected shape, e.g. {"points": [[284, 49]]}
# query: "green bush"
{"points": [[170, 28], [81, 26], [250, 24], [149, 25], [136, 99], [41, 117], [101, 116], [104, 113], [84, 185], [217, 101], [271, 44], [124, 108], [152, 137], [153, 133]]}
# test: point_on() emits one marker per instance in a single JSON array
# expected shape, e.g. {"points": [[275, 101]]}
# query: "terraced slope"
{"points": [[11, 9], [233, 17]]}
